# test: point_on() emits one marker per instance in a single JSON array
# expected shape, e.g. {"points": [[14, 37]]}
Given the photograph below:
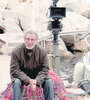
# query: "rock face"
{"points": [[64, 53], [17, 16], [3, 4], [74, 21]]}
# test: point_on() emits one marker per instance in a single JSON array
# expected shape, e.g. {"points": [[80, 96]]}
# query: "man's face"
{"points": [[30, 41]]}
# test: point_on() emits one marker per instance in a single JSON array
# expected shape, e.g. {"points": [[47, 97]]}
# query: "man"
{"points": [[29, 66]]}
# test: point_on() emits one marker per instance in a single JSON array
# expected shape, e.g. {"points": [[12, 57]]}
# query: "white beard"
{"points": [[30, 47]]}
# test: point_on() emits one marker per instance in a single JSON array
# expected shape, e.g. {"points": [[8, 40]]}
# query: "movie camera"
{"points": [[56, 13]]}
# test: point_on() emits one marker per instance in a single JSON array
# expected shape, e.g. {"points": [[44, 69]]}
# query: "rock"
{"points": [[10, 22], [11, 27], [3, 4], [49, 47], [9, 14], [12, 4], [80, 45], [68, 39], [85, 8], [24, 13], [74, 21], [1, 19], [64, 53]]}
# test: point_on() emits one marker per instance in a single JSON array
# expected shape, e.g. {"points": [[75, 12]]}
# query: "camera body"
{"points": [[56, 13]]}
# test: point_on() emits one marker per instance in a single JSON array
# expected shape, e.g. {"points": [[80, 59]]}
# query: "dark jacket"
{"points": [[26, 64]]}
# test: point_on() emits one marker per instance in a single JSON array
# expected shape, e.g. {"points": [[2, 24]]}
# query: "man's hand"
{"points": [[33, 84]]}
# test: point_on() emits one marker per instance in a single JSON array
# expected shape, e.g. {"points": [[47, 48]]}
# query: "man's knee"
{"points": [[48, 82], [79, 72], [17, 82]]}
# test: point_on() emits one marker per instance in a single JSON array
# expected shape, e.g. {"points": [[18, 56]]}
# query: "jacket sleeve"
{"points": [[44, 72], [15, 69]]}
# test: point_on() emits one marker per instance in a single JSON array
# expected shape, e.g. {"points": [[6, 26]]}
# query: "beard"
{"points": [[29, 47]]}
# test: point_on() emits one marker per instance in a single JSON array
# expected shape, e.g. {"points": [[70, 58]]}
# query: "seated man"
{"points": [[29, 66]]}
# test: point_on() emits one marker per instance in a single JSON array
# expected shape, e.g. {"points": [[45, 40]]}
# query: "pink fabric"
{"points": [[57, 85], [30, 93]]}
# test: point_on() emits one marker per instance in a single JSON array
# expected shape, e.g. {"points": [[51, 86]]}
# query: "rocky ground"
{"points": [[5, 79], [76, 93]]}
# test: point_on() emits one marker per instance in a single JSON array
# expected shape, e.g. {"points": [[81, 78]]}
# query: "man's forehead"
{"points": [[30, 35]]}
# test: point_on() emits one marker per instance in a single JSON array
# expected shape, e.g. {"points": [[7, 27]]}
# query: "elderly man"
{"points": [[29, 66]]}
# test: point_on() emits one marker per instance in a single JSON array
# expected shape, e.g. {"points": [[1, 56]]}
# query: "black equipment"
{"points": [[56, 13], [55, 25]]}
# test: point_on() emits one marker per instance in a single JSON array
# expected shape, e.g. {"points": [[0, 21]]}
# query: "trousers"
{"points": [[47, 86], [79, 72]]}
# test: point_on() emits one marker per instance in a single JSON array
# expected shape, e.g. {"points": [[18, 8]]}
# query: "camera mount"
{"points": [[55, 25]]}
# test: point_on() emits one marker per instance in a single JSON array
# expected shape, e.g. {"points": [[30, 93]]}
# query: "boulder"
{"points": [[74, 21], [64, 53], [82, 42], [24, 13], [12, 4], [10, 22], [1, 19], [9, 14], [86, 13], [3, 4], [11, 27]]}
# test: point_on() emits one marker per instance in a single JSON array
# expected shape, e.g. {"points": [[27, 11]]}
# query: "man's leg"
{"points": [[79, 72], [17, 90], [48, 89]]}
